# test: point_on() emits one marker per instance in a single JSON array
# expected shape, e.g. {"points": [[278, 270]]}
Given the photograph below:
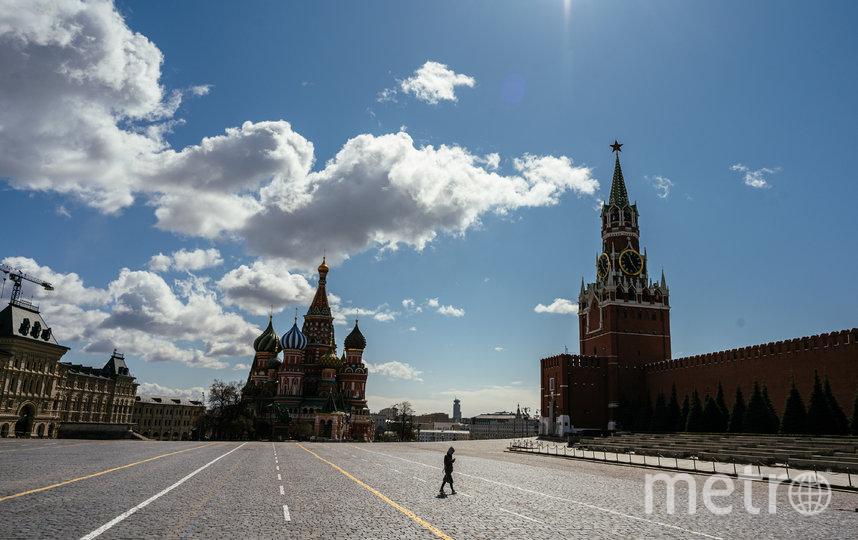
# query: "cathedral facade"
{"points": [[299, 386], [624, 338]]}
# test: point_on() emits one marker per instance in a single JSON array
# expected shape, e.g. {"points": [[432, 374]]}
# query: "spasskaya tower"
{"points": [[623, 316]]}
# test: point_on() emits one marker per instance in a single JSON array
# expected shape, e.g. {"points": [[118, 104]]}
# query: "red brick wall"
{"points": [[773, 364]]}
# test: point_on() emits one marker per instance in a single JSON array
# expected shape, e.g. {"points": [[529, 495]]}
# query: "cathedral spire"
{"points": [[319, 306], [619, 196]]}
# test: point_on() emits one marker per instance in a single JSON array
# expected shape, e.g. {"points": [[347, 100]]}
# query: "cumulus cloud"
{"points": [[560, 306], [410, 305], [451, 311], [140, 314], [195, 393], [185, 261], [661, 184], [263, 284], [498, 349], [241, 367], [345, 315], [395, 370], [755, 179], [433, 82], [85, 114]]}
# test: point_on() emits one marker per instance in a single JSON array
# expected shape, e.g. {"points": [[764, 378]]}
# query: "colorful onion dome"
{"points": [[268, 340], [323, 268], [294, 339], [330, 360], [355, 340]]}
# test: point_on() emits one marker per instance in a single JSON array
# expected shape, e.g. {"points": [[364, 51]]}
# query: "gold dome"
{"points": [[323, 267]]}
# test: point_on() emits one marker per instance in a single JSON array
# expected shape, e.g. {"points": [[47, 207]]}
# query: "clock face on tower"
{"points": [[631, 262], [603, 265]]}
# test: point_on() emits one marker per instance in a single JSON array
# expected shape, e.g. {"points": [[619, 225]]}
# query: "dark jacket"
{"points": [[448, 463]]}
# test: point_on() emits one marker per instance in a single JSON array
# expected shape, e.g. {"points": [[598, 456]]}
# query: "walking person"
{"points": [[448, 472]]}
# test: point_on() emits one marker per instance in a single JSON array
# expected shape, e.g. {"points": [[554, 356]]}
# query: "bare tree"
{"points": [[404, 420]]}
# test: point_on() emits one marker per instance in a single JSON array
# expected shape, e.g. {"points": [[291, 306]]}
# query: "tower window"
{"points": [[625, 314], [639, 314]]}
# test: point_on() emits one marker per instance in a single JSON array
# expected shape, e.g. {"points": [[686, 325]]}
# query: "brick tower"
{"points": [[319, 329], [623, 317]]}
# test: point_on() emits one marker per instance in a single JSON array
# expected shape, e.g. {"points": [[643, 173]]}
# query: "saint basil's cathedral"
{"points": [[311, 390]]}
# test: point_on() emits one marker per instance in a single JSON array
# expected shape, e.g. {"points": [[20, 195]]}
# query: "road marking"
{"points": [[519, 515], [279, 479], [155, 497], [394, 470], [286, 515], [281, 491], [414, 477], [573, 501], [277, 467], [41, 447], [100, 473], [378, 494], [465, 495]]}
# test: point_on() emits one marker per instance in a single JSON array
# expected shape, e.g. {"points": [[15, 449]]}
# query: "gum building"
{"points": [[624, 339], [167, 418], [40, 396]]}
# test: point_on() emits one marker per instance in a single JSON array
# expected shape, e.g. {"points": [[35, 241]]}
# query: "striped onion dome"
{"points": [[267, 340], [355, 339], [294, 339]]}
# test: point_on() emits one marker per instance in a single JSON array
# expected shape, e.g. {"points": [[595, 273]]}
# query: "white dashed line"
{"points": [[394, 470], [414, 477], [286, 515], [281, 491], [519, 515], [277, 467], [465, 495], [278, 478]]}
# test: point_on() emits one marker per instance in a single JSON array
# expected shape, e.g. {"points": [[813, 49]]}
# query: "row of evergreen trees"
{"points": [[822, 416]]}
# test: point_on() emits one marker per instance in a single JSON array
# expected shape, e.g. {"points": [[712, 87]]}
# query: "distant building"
{"points": [[503, 425], [457, 410], [166, 418], [43, 397]]}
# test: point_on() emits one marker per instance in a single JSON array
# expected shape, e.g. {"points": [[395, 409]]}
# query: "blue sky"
{"points": [[175, 169]]}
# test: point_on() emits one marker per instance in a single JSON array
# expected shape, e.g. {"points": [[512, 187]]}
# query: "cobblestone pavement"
{"points": [[132, 489]]}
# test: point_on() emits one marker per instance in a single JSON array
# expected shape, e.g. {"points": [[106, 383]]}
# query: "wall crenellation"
{"points": [[843, 338]]}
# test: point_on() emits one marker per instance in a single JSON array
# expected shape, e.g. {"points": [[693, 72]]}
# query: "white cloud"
{"points": [[410, 305], [241, 367], [498, 349], [412, 329], [195, 393], [140, 314], [434, 82], [451, 311], [395, 370], [346, 315], [201, 90], [62, 211], [263, 284], [185, 261], [755, 179], [432, 302], [560, 306], [85, 115], [661, 184]]}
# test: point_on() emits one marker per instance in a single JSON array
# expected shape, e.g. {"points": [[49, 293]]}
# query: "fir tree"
{"points": [[854, 425], [757, 416], [713, 419], [818, 413], [772, 420], [795, 415], [659, 415], [722, 405], [839, 423], [674, 412], [694, 423], [644, 409], [683, 416], [737, 417]]}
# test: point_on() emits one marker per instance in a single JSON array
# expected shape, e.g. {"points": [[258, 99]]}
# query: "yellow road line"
{"points": [[100, 473], [404, 510]]}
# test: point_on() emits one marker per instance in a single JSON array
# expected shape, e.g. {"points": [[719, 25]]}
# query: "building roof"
{"points": [[21, 319], [167, 400]]}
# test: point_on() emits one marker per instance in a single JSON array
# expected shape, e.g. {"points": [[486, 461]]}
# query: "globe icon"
{"points": [[809, 493]]}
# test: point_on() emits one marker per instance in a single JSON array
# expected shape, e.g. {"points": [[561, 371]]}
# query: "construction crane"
{"points": [[17, 277]]}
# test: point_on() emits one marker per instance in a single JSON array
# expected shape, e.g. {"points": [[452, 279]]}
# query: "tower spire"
{"points": [[619, 196]]}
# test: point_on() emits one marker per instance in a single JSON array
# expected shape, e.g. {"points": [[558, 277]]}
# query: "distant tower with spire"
{"points": [[457, 411]]}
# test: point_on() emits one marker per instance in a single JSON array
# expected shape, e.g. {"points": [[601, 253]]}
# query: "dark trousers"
{"points": [[448, 479]]}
